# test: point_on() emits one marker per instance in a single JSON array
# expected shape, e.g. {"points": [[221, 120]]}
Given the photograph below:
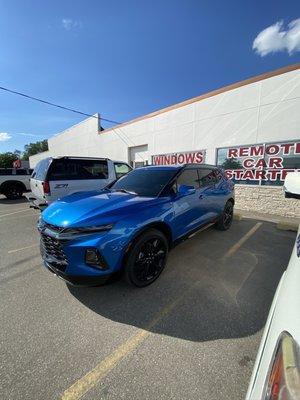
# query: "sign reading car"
{"points": [[184, 157]]}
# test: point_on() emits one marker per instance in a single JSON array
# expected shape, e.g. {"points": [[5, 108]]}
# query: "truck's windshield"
{"points": [[144, 182]]}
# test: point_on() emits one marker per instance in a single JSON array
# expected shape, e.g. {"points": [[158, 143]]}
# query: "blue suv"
{"points": [[131, 225]]}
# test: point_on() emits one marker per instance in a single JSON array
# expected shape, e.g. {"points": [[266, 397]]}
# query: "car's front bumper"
{"points": [[78, 280]]}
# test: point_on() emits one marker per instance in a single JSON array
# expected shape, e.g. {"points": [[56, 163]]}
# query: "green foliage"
{"points": [[7, 159], [232, 163], [34, 148]]}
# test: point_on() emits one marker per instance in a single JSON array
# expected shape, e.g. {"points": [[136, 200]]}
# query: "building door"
{"points": [[138, 156]]}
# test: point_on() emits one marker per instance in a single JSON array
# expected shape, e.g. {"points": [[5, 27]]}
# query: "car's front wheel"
{"points": [[226, 218], [147, 258]]}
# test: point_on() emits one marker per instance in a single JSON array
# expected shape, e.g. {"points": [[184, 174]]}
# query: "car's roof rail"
{"points": [[201, 165], [82, 158]]}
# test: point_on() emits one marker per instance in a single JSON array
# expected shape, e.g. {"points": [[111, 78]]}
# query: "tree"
{"points": [[7, 159], [34, 148], [232, 163]]}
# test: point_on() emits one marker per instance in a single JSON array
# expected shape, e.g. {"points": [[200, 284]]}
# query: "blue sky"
{"points": [[128, 58]]}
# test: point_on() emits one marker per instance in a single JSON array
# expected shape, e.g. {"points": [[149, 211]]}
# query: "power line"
{"points": [[55, 105], [75, 111]]}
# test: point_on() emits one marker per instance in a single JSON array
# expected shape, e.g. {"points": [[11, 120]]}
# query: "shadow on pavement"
{"points": [[5, 201], [225, 298]]}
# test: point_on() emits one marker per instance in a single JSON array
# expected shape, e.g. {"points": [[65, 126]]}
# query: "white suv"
{"points": [[54, 178]]}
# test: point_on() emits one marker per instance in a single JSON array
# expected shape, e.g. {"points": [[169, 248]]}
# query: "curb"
{"points": [[237, 216], [287, 226]]}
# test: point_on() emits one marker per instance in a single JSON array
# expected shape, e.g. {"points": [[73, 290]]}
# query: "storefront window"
{"points": [[260, 164]]}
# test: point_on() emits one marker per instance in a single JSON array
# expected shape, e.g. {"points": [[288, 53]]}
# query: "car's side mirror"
{"points": [[185, 190], [291, 185]]}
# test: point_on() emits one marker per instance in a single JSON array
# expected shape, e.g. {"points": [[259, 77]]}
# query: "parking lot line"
{"points": [[15, 212], [238, 244], [22, 248], [88, 381]]}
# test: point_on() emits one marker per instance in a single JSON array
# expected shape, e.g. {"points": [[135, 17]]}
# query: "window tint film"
{"points": [[206, 177], [144, 182], [78, 170], [5, 171], [21, 171], [121, 169], [189, 177]]}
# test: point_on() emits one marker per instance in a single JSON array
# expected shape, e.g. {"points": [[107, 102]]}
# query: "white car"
{"points": [[276, 373], [291, 186], [14, 182], [57, 177]]}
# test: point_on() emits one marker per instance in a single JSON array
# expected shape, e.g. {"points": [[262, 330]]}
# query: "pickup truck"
{"points": [[14, 182]]}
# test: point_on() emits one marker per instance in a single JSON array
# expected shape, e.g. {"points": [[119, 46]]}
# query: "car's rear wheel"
{"points": [[226, 218], [147, 258], [13, 191]]}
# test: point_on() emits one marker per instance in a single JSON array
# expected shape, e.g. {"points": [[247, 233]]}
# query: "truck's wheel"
{"points": [[147, 258], [226, 218], [13, 191]]}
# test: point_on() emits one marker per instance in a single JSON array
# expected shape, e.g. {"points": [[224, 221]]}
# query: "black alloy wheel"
{"points": [[147, 258], [226, 218]]}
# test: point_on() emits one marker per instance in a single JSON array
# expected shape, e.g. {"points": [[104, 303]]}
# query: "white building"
{"points": [[253, 114]]}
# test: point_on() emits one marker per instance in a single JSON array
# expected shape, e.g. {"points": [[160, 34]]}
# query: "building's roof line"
{"points": [[236, 85]]}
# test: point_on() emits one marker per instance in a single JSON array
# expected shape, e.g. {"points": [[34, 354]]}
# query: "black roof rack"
{"points": [[82, 158], [201, 165]]}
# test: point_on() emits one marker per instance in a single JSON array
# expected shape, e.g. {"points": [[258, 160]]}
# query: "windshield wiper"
{"points": [[124, 191]]}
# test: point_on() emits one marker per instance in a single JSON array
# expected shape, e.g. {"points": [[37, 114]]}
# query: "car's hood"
{"points": [[90, 208]]}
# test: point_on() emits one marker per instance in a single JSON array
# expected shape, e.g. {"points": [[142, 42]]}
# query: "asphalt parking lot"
{"points": [[193, 334]]}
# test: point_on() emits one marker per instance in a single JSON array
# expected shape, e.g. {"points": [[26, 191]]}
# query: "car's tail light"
{"points": [[46, 188], [283, 381]]}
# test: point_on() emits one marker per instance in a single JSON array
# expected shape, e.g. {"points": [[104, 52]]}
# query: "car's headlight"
{"points": [[87, 229]]}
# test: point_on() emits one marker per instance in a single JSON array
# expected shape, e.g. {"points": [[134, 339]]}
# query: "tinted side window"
{"points": [[92, 169], [78, 170], [220, 174], [5, 171], [21, 171], [188, 177], [207, 177], [121, 169]]}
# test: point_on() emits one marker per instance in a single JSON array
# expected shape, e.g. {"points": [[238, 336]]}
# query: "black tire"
{"points": [[13, 191], [147, 258], [226, 218]]}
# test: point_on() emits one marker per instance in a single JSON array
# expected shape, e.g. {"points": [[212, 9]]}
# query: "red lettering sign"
{"points": [[187, 157]]}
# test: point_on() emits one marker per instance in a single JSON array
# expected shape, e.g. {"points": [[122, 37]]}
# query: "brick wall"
{"points": [[265, 199]]}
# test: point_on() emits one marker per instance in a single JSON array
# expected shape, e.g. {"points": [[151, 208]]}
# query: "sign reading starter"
{"points": [[186, 157], [261, 162]]}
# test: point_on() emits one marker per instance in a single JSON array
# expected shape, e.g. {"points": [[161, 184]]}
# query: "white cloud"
{"points": [[4, 136], [28, 134], [69, 24], [275, 38]]}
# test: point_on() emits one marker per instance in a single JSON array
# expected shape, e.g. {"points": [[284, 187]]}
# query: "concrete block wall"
{"points": [[267, 200]]}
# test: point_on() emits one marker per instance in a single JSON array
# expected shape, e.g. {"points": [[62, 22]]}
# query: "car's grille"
{"points": [[53, 253]]}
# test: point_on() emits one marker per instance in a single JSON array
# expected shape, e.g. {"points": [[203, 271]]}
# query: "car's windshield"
{"points": [[144, 182]]}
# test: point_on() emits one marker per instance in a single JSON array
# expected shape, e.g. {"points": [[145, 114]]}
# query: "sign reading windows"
{"points": [[185, 157], [261, 164]]}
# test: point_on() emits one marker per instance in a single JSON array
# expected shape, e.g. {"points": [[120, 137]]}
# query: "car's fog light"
{"points": [[94, 258]]}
